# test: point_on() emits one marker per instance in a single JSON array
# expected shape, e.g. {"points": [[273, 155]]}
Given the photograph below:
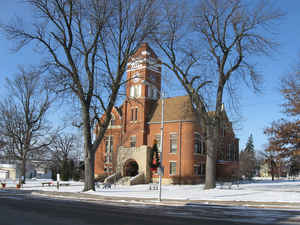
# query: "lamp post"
{"points": [[160, 168]]}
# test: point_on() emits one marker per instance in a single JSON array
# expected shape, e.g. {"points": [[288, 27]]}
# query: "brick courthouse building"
{"points": [[136, 123]]}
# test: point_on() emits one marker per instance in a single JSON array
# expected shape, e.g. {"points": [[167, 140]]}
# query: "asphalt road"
{"points": [[25, 209]]}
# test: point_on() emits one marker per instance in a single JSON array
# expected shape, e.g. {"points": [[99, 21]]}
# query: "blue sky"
{"points": [[257, 110]]}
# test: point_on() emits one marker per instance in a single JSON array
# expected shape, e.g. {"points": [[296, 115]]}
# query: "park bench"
{"points": [[106, 186], [47, 184], [227, 184], [64, 184]]}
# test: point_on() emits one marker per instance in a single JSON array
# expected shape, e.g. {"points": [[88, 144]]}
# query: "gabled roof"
{"points": [[175, 109]]}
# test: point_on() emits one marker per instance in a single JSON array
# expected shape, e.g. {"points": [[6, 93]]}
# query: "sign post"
{"points": [[57, 180]]}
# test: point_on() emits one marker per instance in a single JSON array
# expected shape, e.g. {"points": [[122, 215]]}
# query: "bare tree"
{"points": [[176, 40], [87, 44], [63, 152], [223, 36], [23, 122], [233, 32], [62, 148]]}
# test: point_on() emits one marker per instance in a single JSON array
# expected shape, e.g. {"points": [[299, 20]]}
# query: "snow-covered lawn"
{"points": [[258, 191]]}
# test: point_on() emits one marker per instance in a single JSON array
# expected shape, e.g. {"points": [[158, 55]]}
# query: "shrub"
{"points": [[186, 180]]}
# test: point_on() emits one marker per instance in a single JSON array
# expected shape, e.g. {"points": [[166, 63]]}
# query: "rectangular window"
{"points": [[133, 141], [229, 152], [151, 92], [108, 144], [234, 155], [173, 143], [199, 170], [197, 147], [172, 168], [199, 144]]}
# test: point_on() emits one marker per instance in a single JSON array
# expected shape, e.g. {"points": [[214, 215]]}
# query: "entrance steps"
{"points": [[124, 181], [138, 179]]}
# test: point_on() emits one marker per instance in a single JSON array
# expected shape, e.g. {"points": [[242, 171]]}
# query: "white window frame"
{"points": [[170, 136], [131, 141], [201, 170], [136, 91], [170, 167], [201, 144], [109, 139]]}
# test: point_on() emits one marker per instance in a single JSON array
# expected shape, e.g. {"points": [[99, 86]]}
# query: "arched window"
{"points": [[135, 91], [112, 120], [152, 92]]}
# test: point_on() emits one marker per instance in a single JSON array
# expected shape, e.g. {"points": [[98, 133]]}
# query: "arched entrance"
{"points": [[131, 168]]}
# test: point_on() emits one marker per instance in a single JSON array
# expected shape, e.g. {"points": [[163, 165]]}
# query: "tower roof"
{"points": [[144, 51]]}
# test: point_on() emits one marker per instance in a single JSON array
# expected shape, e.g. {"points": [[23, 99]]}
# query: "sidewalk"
{"points": [[165, 202]]}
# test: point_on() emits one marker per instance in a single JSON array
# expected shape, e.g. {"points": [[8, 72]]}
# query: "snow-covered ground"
{"points": [[257, 191]]}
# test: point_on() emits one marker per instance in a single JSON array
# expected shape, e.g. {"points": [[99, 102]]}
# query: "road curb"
{"points": [[166, 202]]}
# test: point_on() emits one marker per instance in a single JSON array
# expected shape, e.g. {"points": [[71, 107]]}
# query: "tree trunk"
{"points": [[23, 171], [210, 171], [89, 165], [272, 173], [89, 153]]}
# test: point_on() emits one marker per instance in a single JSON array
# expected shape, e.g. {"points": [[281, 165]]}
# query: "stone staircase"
{"points": [[124, 181]]}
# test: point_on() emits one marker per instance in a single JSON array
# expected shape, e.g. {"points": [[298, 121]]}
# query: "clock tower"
{"points": [[142, 91]]}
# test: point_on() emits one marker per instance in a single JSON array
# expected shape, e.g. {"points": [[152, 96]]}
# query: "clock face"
{"points": [[136, 77], [152, 77]]}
